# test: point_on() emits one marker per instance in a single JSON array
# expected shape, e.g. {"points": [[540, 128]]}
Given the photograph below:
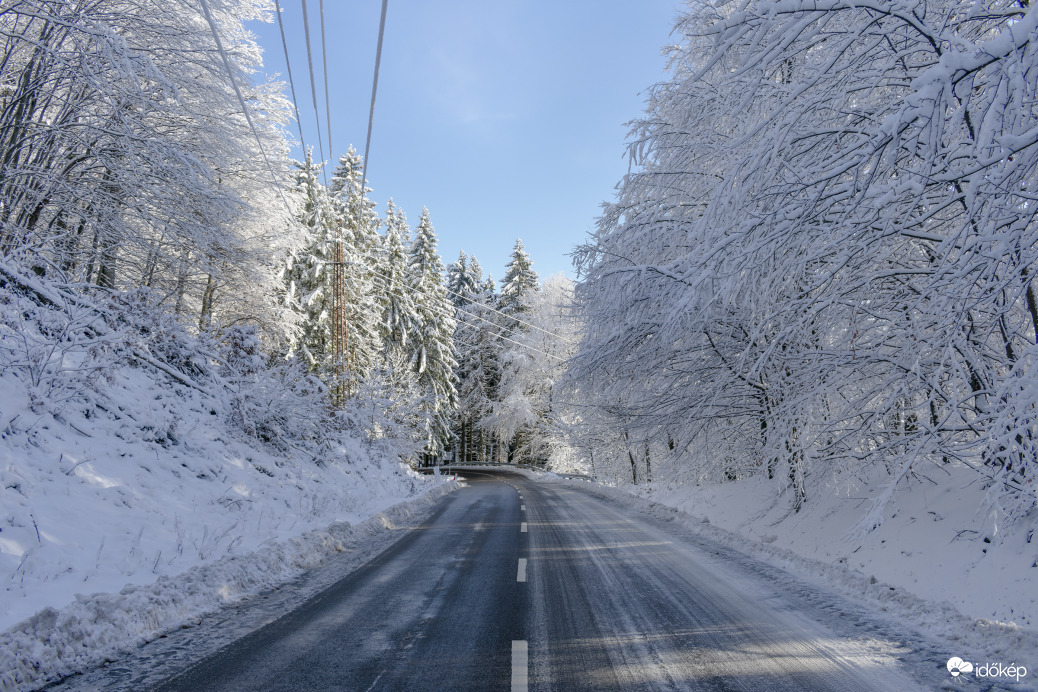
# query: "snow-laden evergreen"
{"points": [[400, 323], [356, 236], [307, 273], [477, 372], [513, 413], [432, 347]]}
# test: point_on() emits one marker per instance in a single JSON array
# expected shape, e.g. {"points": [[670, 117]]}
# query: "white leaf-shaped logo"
{"points": [[956, 666]]}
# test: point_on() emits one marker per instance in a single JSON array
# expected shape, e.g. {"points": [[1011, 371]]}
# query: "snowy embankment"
{"points": [[930, 568], [160, 533], [148, 476]]}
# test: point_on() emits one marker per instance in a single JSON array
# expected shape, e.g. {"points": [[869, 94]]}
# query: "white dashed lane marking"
{"points": [[521, 573], [522, 527], [520, 666]]}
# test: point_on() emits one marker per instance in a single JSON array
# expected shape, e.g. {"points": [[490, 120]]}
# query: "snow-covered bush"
{"points": [[276, 401], [59, 352]]}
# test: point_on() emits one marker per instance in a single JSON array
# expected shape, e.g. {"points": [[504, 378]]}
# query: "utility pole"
{"points": [[340, 327]]}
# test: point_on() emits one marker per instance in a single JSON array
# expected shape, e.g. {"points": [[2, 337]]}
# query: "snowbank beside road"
{"points": [[55, 643], [166, 474], [810, 546]]}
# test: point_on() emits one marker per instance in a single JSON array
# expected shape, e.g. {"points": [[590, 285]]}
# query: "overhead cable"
{"points": [[327, 98], [512, 317], [241, 99], [374, 89], [499, 335], [313, 85], [288, 66]]}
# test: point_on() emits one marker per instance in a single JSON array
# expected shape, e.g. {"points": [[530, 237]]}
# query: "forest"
{"points": [[147, 190], [819, 267]]}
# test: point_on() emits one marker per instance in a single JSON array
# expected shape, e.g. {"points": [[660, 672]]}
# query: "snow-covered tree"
{"points": [[128, 160], [432, 347], [476, 343], [513, 411], [824, 255], [533, 368], [308, 272], [518, 286], [356, 238]]}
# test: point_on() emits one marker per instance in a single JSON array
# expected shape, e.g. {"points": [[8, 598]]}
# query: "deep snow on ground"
{"points": [[924, 568], [932, 541], [121, 519]]}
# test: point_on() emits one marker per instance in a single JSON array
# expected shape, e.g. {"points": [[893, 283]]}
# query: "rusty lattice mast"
{"points": [[340, 325]]}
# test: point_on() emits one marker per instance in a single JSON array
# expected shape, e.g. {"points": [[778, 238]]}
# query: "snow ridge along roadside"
{"points": [[948, 628], [94, 629]]}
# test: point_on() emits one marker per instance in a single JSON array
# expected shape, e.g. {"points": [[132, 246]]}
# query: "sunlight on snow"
{"points": [[87, 473], [11, 547], [748, 660]]}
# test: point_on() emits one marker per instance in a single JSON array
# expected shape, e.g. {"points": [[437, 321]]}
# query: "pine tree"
{"points": [[513, 414], [357, 232], [433, 347], [307, 272], [463, 280], [475, 339], [399, 319], [518, 286]]}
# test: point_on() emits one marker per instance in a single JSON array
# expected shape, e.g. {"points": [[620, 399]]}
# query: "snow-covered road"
{"points": [[515, 584]]}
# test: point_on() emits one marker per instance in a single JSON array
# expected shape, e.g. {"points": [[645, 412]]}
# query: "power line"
{"points": [[500, 335], [241, 99], [512, 317], [288, 66], [313, 85], [374, 90], [327, 98]]}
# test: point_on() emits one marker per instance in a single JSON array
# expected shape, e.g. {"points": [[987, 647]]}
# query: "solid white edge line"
{"points": [[520, 665], [521, 573]]}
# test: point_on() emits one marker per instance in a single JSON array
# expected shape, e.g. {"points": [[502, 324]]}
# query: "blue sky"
{"points": [[506, 120]]}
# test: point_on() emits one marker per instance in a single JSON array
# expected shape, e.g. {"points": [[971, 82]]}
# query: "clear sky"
{"points": [[505, 119]]}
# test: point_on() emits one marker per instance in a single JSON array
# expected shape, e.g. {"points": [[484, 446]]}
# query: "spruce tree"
{"points": [[399, 319], [433, 347], [474, 339], [512, 415], [518, 286], [357, 231], [307, 272]]}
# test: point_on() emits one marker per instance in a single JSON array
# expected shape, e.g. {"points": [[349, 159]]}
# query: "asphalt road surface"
{"points": [[515, 584]]}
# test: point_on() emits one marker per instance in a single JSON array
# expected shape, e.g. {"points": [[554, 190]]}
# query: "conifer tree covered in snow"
{"points": [[432, 346], [356, 234], [399, 322], [518, 286], [513, 413], [476, 342], [823, 260], [308, 269]]}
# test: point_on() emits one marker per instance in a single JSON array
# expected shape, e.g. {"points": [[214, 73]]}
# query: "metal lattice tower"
{"points": [[340, 327]]}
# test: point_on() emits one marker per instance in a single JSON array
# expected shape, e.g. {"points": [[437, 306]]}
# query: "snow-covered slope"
{"points": [[147, 476], [931, 541]]}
